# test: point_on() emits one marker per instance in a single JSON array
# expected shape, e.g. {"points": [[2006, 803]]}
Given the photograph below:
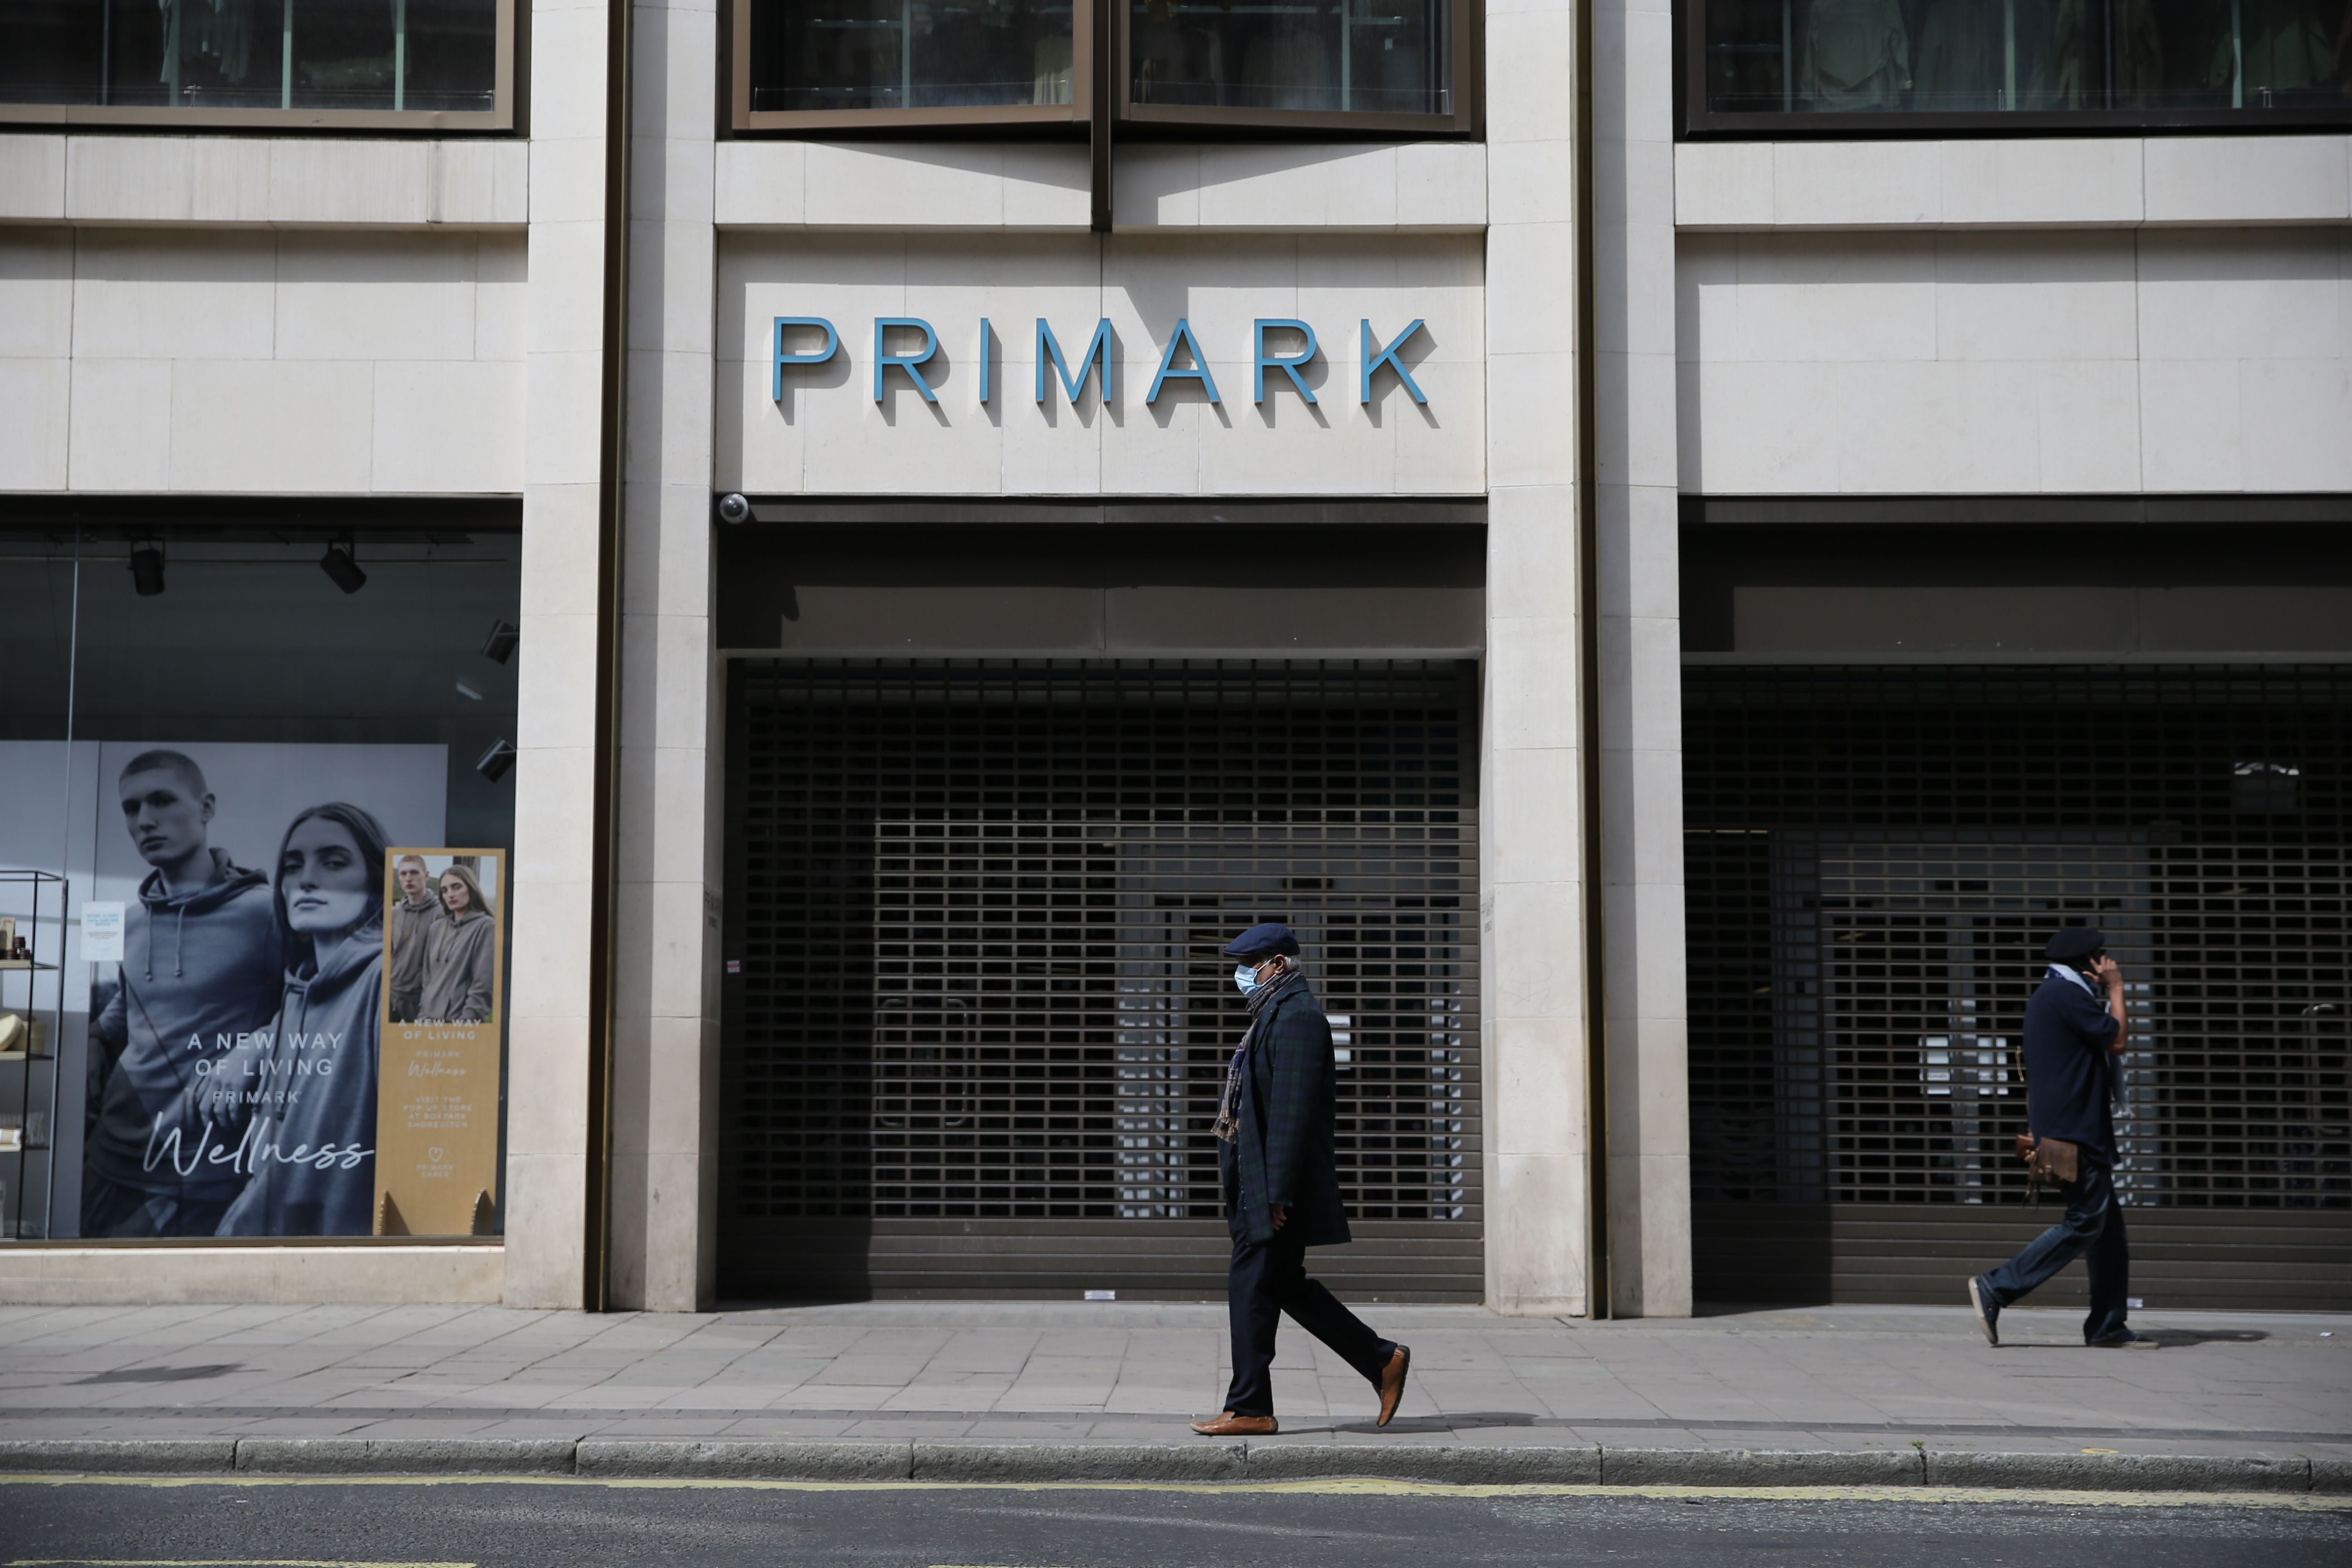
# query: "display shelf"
{"points": [[29, 1188]]}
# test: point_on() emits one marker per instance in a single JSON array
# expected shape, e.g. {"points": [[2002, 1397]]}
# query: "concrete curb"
{"points": [[120, 1456], [2122, 1472], [1495, 1464], [405, 1456]]}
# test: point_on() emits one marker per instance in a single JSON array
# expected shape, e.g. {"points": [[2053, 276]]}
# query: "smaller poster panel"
{"points": [[444, 1022]]}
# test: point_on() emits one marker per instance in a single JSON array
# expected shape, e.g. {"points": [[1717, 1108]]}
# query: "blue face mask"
{"points": [[1245, 977]]}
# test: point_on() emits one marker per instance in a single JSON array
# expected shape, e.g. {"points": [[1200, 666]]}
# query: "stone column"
{"points": [[1530, 886], [1641, 657], [666, 1050], [547, 1030]]}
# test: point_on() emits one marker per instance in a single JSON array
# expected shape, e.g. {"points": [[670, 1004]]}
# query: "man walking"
{"points": [[2075, 1038], [411, 924], [1279, 1167]]}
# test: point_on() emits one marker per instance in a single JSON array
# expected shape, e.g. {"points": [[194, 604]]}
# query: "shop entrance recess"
{"points": [[1875, 857], [981, 1023]]}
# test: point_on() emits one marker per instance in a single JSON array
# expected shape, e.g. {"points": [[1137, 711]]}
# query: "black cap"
{"points": [[2073, 943], [1264, 942]]}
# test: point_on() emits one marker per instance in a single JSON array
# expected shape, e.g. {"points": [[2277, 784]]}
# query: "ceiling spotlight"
{"points": [[495, 762], [500, 645], [341, 568], [147, 569]]}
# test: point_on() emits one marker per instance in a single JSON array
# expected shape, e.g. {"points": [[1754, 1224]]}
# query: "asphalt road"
{"points": [[504, 1524]]}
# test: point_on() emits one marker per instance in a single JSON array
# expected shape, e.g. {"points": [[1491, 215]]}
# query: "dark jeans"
{"points": [[2094, 1228], [1266, 1279], [112, 1210]]}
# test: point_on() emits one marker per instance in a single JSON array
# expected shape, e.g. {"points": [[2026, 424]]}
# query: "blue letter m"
{"points": [[1097, 354]]}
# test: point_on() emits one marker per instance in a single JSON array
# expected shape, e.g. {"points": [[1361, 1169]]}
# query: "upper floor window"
{"points": [[1376, 65], [441, 64], [1842, 66], [1010, 60]]}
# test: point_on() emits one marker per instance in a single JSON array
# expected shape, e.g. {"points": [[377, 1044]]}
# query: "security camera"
{"points": [[734, 509]]}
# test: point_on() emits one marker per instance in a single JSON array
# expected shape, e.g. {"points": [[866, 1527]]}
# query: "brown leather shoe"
{"points": [[1393, 1384], [1231, 1425]]}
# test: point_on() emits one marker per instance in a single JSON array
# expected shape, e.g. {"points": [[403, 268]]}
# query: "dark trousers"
{"points": [[112, 1210], [2093, 1229], [1266, 1279]]}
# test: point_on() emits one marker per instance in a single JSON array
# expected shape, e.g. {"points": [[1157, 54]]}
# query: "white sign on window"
{"points": [[102, 933]]}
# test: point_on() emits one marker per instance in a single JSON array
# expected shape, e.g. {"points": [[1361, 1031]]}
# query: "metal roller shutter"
{"points": [[1876, 858], [981, 1022]]}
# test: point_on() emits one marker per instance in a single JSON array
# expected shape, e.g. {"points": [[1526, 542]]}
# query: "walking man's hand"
{"points": [[1277, 1210]]}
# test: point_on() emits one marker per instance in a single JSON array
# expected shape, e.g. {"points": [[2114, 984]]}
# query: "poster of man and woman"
{"points": [[294, 1021]]}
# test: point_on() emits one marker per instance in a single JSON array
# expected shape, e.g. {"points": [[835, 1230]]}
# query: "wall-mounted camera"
{"points": [[734, 509]]}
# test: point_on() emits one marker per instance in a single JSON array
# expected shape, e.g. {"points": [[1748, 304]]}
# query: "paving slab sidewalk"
{"points": [[934, 1385]]}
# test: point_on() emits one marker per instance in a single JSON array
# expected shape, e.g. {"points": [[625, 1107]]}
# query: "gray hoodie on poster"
{"points": [[303, 1099], [457, 956], [411, 926], [198, 971]]}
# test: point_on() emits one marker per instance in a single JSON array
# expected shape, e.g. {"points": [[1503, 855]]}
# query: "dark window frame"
{"points": [[1694, 122], [513, 23], [1466, 122]]}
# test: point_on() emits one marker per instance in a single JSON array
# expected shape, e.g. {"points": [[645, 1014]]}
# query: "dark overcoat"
{"points": [[1287, 1150]]}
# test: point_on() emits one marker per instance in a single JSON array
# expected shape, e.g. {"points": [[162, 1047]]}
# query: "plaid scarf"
{"points": [[1261, 1003]]}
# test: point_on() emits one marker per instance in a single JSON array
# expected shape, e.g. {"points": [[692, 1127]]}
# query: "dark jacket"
{"points": [[411, 926], [1286, 1150], [2069, 1069], [199, 973], [306, 1096], [458, 962]]}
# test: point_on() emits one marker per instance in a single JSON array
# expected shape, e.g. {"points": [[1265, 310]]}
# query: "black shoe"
{"points": [[2127, 1341], [1988, 1309]]}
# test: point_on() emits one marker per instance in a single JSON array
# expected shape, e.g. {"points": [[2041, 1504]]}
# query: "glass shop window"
{"points": [[253, 882], [1319, 66], [987, 58], [1351, 58], [2001, 64], [307, 62]]}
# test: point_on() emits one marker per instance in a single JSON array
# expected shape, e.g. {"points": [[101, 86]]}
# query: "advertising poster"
{"points": [[437, 1089], [234, 953]]}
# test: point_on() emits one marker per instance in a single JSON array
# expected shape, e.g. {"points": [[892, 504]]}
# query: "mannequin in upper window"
{"points": [[1960, 56], [2284, 46], [1857, 56]]}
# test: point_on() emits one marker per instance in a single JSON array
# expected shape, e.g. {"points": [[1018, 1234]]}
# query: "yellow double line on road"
{"points": [[2319, 1502]]}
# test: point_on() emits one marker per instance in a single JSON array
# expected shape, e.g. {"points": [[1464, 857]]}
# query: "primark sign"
{"points": [[1283, 345]]}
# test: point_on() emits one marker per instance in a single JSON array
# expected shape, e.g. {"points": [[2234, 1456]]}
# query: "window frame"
{"points": [[1695, 122], [512, 19], [1078, 112], [1467, 120]]}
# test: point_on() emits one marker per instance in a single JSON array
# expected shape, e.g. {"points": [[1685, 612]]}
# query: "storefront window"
{"points": [[1354, 57], [821, 56], [253, 882], [1379, 66], [239, 58], [2152, 62]]}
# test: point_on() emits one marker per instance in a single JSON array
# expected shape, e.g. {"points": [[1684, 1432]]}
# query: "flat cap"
{"points": [[2073, 943], [1264, 941]]}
